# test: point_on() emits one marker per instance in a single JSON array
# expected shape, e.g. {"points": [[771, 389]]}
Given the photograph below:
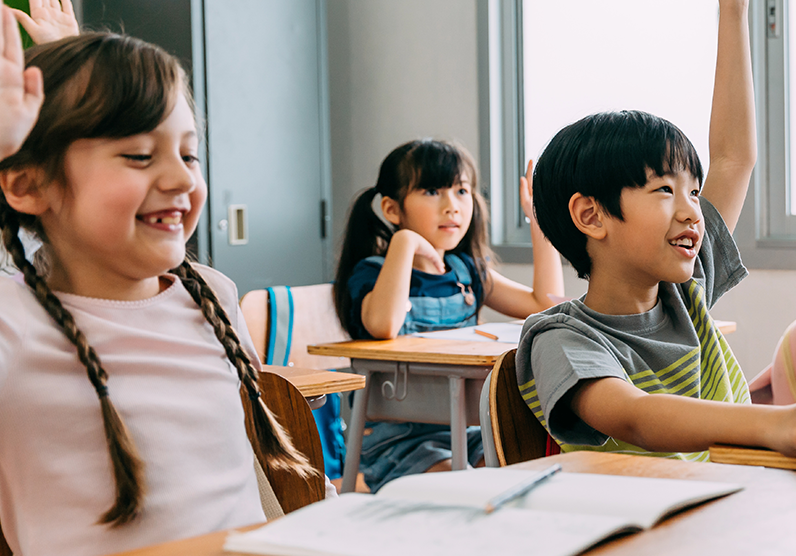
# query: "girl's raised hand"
{"points": [[526, 192], [49, 20], [21, 90]]}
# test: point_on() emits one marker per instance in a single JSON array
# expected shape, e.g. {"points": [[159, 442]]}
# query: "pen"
{"points": [[486, 334], [520, 489]]}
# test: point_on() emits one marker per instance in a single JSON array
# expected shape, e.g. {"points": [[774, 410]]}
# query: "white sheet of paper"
{"points": [[507, 332]]}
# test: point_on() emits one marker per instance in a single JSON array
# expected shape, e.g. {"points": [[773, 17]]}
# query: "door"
{"points": [[267, 132]]}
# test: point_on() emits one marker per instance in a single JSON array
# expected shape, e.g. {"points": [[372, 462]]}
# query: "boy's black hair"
{"points": [[598, 157]]}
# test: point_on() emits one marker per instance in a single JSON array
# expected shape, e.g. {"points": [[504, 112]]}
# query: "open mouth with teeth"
{"points": [[686, 244], [164, 220]]}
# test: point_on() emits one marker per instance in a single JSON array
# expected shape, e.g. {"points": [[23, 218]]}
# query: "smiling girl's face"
{"points": [[126, 211]]}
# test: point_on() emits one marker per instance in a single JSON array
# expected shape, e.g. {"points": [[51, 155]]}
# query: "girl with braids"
{"points": [[121, 422], [425, 266]]}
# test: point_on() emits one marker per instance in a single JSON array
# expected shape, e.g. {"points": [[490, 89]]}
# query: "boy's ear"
{"points": [[391, 210], [588, 216], [23, 191]]}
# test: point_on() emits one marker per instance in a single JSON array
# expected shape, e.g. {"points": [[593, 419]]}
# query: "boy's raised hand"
{"points": [[21, 90], [733, 135], [49, 20]]}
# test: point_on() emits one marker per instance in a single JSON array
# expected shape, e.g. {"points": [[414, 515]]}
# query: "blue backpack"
{"points": [[327, 417]]}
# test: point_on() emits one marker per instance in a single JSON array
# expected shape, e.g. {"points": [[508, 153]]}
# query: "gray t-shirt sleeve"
{"points": [[575, 357], [719, 267]]}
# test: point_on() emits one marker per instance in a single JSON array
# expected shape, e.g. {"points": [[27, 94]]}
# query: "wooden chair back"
{"points": [[517, 433], [295, 415], [314, 321]]}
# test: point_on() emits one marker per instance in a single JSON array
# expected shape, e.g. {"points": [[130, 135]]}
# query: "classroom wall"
{"points": [[397, 71], [400, 70]]}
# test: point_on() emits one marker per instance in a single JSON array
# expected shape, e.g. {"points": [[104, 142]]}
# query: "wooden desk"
{"points": [[415, 379], [314, 382], [440, 370], [756, 520], [726, 326]]}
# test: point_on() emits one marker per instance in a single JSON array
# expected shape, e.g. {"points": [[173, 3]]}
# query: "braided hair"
{"points": [[103, 85]]}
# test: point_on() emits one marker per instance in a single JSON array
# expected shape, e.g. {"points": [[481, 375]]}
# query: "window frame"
{"points": [[763, 241]]}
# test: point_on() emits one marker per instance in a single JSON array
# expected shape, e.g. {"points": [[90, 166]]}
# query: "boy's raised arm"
{"points": [[733, 140]]}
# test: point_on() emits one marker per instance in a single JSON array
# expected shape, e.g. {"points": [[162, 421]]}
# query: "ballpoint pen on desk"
{"points": [[486, 334], [520, 489]]}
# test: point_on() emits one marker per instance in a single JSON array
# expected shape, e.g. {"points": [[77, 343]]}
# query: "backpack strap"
{"points": [[280, 325]]}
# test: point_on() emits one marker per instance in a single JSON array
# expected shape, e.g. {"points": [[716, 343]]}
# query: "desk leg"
{"points": [[353, 447], [458, 424]]}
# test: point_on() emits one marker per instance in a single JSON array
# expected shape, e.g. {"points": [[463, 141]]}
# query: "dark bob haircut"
{"points": [[598, 157]]}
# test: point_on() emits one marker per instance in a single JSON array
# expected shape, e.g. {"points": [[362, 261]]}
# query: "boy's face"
{"points": [[662, 230]]}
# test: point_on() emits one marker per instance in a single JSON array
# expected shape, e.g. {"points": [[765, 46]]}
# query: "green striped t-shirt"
{"points": [[675, 348]]}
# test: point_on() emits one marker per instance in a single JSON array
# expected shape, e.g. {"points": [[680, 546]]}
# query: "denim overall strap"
{"points": [[458, 266]]}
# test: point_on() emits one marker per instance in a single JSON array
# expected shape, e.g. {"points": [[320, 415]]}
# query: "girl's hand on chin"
{"points": [[422, 248]]}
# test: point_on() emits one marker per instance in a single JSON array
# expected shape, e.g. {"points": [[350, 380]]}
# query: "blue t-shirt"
{"points": [[363, 279]]}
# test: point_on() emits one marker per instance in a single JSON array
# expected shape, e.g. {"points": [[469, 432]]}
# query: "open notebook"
{"points": [[443, 513]]}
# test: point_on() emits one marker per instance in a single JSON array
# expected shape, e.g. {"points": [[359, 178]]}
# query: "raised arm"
{"points": [[733, 140], [49, 20], [515, 299], [21, 90]]}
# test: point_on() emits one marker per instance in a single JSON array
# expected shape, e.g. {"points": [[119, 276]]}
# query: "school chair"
{"points": [[282, 321], [509, 430], [294, 414]]}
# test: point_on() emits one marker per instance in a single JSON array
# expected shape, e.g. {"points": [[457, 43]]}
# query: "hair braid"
{"points": [[273, 441], [128, 468]]}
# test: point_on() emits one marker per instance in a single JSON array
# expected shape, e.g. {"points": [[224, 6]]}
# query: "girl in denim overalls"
{"points": [[422, 265]]}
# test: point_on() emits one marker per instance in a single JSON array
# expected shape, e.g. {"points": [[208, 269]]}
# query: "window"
{"points": [[778, 200], [550, 65], [648, 55]]}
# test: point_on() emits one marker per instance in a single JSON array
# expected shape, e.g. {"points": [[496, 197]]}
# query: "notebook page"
{"points": [[507, 332], [639, 500], [363, 525]]}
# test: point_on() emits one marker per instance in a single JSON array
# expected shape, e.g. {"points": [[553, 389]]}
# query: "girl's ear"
{"points": [[391, 210], [23, 191], [588, 216]]}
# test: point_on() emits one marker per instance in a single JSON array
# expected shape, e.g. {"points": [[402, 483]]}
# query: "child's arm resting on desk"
{"points": [[515, 299], [732, 141], [670, 423]]}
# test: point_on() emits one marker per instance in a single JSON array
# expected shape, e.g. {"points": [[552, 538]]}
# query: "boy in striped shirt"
{"points": [[637, 364]]}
